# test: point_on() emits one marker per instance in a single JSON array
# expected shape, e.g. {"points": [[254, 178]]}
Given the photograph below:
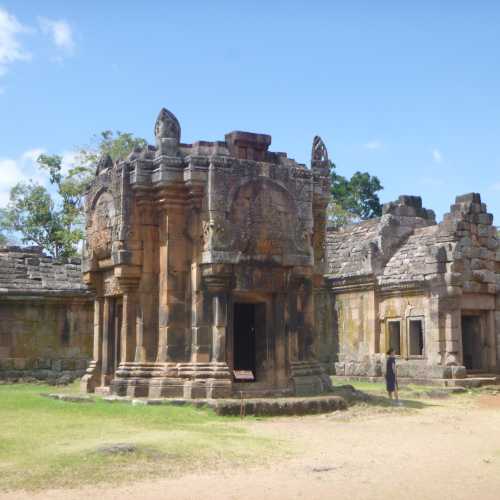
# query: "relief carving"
{"points": [[100, 231], [264, 220]]}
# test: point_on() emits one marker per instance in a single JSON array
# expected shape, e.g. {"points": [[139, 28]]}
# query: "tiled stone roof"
{"points": [[401, 248], [348, 249], [27, 270]]}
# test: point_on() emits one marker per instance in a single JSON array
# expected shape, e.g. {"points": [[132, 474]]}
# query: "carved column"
{"points": [[106, 347], [173, 274], [129, 343], [93, 373], [490, 341], [200, 332], [98, 319], [218, 289], [219, 327]]}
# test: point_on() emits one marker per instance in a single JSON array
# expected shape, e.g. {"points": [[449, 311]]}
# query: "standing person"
{"points": [[391, 381]]}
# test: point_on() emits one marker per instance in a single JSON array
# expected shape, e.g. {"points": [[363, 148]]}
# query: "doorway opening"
{"points": [[471, 342], [115, 334], [244, 342]]}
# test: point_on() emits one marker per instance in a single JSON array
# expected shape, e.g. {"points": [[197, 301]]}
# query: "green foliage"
{"points": [[354, 199], [3, 240], [117, 145], [55, 222]]}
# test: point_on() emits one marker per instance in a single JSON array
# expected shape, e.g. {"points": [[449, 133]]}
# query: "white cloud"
{"points": [[11, 49], [20, 169], [437, 156], [60, 31], [69, 160], [32, 155], [375, 144]]}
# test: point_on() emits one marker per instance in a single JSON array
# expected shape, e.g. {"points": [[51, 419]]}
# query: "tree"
{"points": [[3, 240], [354, 199], [55, 222]]}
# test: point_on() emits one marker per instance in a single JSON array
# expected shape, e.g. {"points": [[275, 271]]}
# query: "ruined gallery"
{"points": [[45, 316], [427, 290], [212, 271]]}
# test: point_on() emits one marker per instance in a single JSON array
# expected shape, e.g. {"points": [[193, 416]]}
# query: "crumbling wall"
{"points": [[46, 317]]}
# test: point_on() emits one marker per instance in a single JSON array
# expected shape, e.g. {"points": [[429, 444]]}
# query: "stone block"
{"points": [[340, 368], [56, 365], [458, 372]]}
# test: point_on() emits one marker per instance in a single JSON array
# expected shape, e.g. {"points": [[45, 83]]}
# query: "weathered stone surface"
{"points": [[278, 407], [45, 317], [182, 239], [404, 268]]}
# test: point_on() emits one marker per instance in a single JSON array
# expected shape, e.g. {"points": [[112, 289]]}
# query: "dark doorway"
{"points": [[115, 334], [244, 340], [471, 342]]}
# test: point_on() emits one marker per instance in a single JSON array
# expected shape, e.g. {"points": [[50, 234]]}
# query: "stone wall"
{"points": [[404, 267], [45, 317]]}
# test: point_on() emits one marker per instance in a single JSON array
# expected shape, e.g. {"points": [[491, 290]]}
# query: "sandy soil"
{"points": [[449, 450]]}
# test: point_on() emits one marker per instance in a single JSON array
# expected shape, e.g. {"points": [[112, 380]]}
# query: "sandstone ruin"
{"points": [[212, 273], [45, 317], [205, 259], [427, 290]]}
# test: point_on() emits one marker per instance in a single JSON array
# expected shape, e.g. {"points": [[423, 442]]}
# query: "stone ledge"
{"points": [[257, 407]]}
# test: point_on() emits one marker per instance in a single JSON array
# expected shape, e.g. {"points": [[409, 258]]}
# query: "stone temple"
{"points": [[211, 272], [205, 260]]}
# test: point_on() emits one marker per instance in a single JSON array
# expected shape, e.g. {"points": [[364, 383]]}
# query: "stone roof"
{"points": [[28, 271], [348, 249], [396, 250], [363, 249], [408, 264]]}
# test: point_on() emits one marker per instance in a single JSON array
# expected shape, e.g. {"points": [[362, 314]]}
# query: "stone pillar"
{"points": [[291, 324], [452, 336], [92, 376], [200, 332], [173, 274], [128, 334], [106, 347], [98, 318], [491, 341], [219, 328]]}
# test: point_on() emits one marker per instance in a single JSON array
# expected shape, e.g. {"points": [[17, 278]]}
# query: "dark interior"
{"points": [[115, 334], [471, 342], [244, 337]]}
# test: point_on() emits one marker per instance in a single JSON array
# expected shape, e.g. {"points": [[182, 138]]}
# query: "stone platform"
{"points": [[255, 406]]}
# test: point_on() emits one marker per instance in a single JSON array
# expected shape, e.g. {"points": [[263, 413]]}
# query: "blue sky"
{"points": [[408, 91]]}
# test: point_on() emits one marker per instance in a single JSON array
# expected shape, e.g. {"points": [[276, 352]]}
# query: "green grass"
{"points": [[46, 442]]}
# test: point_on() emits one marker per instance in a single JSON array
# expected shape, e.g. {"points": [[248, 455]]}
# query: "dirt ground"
{"points": [[448, 450]]}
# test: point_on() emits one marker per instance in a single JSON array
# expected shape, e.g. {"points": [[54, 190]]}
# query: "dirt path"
{"points": [[450, 450]]}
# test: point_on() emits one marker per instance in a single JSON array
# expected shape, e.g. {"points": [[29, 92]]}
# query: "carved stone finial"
{"points": [[103, 163], [167, 126], [319, 151]]}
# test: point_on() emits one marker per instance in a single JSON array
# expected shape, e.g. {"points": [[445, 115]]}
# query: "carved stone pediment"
{"points": [[100, 231]]}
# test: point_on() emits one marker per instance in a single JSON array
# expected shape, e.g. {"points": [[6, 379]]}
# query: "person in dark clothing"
{"points": [[391, 380]]}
